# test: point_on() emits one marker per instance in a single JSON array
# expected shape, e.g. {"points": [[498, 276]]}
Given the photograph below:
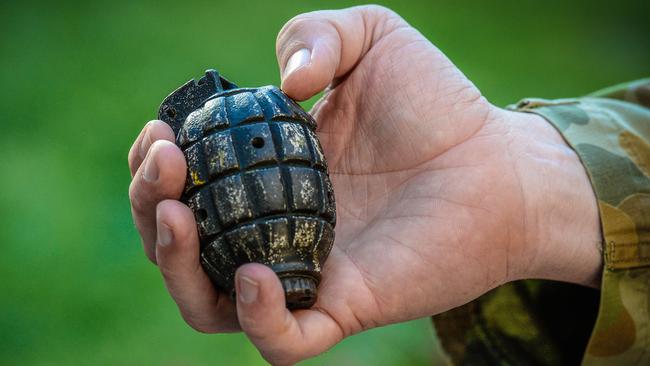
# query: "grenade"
{"points": [[257, 183]]}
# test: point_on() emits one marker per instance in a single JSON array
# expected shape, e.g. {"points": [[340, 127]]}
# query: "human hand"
{"points": [[440, 195]]}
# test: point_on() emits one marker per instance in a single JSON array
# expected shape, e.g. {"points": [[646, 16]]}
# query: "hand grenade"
{"points": [[257, 182]]}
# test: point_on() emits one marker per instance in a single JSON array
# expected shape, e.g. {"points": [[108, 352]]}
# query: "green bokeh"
{"points": [[78, 81]]}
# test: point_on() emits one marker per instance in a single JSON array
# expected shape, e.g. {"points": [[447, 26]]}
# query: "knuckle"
{"points": [[379, 10], [143, 198], [150, 254], [167, 272], [134, 196], [131, 158], [292, 25], [280, 358], [197, 325], [382, 16], [257, 327], [201, 328], [134, 152], [174, 270], [300, 25], [147, 245], [251, 325]]}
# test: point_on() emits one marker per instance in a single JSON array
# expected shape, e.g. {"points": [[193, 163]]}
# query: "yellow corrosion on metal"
{"points": [[304, 235], [196, 179]]}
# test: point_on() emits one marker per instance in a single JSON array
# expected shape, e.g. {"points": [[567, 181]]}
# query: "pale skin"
{"points": [[441, 196]]}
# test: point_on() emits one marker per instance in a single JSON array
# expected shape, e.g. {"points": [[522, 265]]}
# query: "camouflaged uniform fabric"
{"points": [[552, 323]]}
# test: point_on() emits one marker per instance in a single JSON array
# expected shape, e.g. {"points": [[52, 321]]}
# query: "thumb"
{"points": [[282, 337], [313, 49]]}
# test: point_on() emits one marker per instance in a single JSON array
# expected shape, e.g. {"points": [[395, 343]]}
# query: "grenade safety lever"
{"points": [[189, 97]]}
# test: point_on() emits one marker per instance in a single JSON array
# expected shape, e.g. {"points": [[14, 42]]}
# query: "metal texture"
{"points": [[257, 182]]}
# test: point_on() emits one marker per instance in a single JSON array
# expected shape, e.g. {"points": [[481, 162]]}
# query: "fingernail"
{"points": [[165, 235], [248, 290], [151, 169], [146, 141], [299, 59]]}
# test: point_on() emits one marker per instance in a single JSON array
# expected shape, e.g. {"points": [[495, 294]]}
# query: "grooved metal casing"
{"points": [[257, 182]]}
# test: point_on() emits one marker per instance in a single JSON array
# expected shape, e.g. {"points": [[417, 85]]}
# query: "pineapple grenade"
{"points": [[257, 183]]}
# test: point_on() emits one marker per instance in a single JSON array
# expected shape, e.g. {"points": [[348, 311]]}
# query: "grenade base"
{"points": [[299, 291]]}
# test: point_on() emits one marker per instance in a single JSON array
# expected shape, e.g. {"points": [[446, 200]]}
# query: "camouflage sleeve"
{"points": [[538, 322], [610, 131]]}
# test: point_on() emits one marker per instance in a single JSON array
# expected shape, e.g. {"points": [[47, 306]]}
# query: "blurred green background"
{"points": [[79, 80]]}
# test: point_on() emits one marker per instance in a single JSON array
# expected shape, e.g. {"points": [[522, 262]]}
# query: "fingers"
{"points": [[315, 48], [152, 131], [177, 252], [282, 337], [160, 176]]}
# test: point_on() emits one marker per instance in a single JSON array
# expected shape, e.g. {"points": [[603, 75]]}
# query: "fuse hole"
{"points": [[171, 112], [257, 142], [201, 214]]}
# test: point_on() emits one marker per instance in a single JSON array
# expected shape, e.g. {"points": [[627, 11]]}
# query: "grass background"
{"points": [[79, 79]]}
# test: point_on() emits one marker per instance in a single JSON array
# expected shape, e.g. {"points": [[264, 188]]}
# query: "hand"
{"points": [[440, 195]]}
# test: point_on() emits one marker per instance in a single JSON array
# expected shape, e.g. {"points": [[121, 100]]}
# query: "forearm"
{"points": [[609, 131]]}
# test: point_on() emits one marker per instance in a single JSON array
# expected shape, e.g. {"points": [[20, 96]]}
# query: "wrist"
{"points": [[561, 225]]}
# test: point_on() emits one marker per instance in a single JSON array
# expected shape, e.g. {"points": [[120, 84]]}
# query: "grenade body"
{"points": [[257, 183]]}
